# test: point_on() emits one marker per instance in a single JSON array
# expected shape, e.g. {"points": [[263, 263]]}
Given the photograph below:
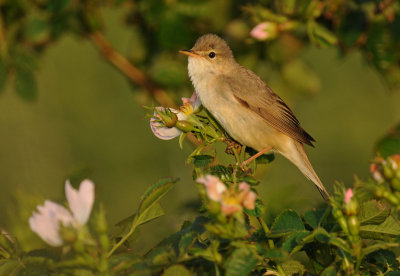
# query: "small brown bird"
{"points": [[246, 106]]}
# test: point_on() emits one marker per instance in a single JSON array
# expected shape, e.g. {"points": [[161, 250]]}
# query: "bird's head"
{"points": [[210, 54]]}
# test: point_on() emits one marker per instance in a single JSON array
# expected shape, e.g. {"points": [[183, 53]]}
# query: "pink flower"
{"points": [[163, 132], [264, 31], [348, 195], [231, 201], [46, 222], [248, 196], [214, 187]]}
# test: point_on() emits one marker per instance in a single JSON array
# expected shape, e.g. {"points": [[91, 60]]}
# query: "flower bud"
{"points": [[168, 117], [351, 208], [68, 234], [388, 171], [354, 225], [395, 183], [185, 126]]}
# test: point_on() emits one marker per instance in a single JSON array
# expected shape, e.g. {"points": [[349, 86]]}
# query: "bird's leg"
{"points": [[261, 152]]}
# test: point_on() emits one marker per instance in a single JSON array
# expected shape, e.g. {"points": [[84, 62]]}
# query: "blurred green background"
{"points": [[88, 120]]}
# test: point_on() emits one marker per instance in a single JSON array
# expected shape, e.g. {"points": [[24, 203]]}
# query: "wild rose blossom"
{"points": [[163, 132], [46, 222], [231, 201], [264, 31]]}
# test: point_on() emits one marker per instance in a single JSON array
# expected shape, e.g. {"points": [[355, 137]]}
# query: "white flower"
{"points": [[189, 106], [46, 222]]}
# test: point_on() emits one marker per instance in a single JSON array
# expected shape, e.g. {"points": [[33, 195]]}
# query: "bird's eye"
{"points": [[211, 55]]}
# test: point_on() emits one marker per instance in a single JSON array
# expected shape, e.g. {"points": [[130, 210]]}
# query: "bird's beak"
{"points": [[189, 53]]}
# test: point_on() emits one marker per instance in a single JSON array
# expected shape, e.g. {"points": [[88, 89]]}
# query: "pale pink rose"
{"points": [[249, 201], [230, 209], [167, 133], [348, 195], [264, 31], [46, 222], [214, 187]]}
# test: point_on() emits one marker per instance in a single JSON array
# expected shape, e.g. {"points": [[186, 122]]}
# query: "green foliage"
{"points": [[356, 232]]}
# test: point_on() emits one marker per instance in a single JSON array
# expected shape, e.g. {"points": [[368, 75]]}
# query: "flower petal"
{"points": [[249, 201], [348, 195], [194, 100], [46, 223], [214, 187], [80, 201], [229, 209], [163, 132]]}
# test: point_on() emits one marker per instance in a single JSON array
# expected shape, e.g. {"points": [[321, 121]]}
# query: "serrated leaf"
{"points": [[329, 271], [313, 217], [201, 161], [241, 262], [388, 228], [25, 84], [176, 270], [293, 267], [155, 193], [286, 223], [221, 171], [259, 209], [373, 212]]}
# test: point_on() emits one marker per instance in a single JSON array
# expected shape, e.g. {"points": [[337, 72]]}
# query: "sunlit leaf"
{"points": [[329, 271], [241, 262], [373, 212], [176, 270], [150, 213], [293, 267], [287, 222], [388, 228]]}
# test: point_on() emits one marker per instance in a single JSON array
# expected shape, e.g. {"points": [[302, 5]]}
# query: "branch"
{"points": [[126, 67], [134, 74]]}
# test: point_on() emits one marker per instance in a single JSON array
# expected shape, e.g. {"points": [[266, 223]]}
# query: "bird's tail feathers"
{"points": [[300, 159]]}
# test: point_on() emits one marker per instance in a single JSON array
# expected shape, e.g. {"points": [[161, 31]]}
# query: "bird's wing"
{"points": [[254, 93]]}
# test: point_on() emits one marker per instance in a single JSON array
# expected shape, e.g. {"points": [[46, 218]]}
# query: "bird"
{"points": [[246, 107]]}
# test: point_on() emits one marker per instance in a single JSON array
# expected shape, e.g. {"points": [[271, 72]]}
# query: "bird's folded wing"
{"points": [[255, 94]]}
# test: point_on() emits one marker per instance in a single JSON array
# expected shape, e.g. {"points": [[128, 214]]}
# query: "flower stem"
{"points": [[124, 238]]}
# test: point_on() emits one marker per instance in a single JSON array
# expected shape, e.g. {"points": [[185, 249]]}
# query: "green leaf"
{"points": [[185, 242], [201, 161], [9, 267], [390, 144], [293, 267], [221, 171], [373, 212], [388, 228], [3, 74], [320, 35], [286, 223], [155, 193], [259, 209], [37, 29], [313, 217], [293, 240], [150, 213], [120, 262], [275, 254], [25, 84], [176, 270], [241, 262], [329, 271]]}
